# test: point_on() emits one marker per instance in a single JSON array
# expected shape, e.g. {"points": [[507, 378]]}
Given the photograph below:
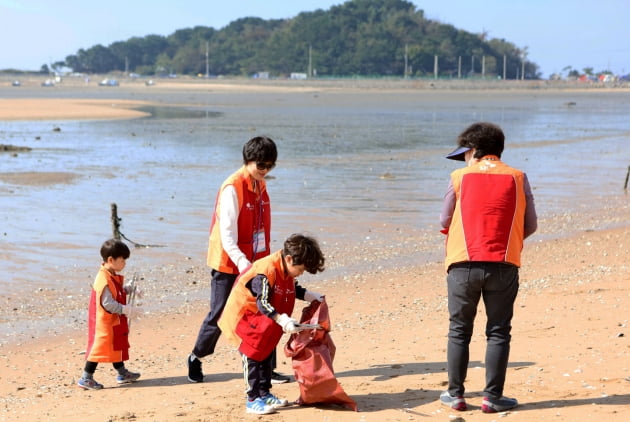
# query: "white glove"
{"points": [[287, 323], [130, 288], [311, 296], [129, 310], [139, 292]]}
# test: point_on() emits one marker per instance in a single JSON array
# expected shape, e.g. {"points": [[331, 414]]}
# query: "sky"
{"points": [[556, 33]]}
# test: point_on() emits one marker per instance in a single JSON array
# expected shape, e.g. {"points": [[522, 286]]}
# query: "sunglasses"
{"points": [[260, 165]]}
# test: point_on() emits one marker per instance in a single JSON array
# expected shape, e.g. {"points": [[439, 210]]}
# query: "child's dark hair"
{"points": [[114, 248], [487, 138], [260, 149], [305, 251]]}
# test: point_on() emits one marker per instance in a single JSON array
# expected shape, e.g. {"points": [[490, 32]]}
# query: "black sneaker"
{"points": [[277, 378], [497, 405], [194, 369]]}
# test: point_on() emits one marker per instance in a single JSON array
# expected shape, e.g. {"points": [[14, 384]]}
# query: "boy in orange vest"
{"points": [[259, 309], [108, 328]]}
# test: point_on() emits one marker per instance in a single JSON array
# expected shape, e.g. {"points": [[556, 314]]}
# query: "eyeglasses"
{"points": [[260, 165]]}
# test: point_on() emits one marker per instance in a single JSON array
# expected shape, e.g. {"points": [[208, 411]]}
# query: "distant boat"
{"points": [[108, 82]]}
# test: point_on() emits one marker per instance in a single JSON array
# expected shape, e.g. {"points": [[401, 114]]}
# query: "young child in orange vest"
{"points": [[108, 312], [259, 309]]}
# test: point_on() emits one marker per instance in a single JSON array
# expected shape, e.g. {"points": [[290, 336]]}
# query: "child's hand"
{"points": [[129, 310], [288, 324], [139, 292], [311, 296]]}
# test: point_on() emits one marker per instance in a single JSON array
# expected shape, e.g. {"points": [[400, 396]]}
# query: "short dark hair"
{"points": [[115, 248], [486, 138], [260, 149], [305, 251]]}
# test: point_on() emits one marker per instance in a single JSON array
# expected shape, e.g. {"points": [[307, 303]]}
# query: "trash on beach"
{"points": [[312, 352]]}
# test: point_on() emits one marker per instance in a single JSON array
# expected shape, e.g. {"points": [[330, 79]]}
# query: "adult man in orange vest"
{"points": [[488, 211]]}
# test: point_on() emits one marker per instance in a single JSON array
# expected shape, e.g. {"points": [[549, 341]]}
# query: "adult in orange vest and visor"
{"points": [[488, 211]]}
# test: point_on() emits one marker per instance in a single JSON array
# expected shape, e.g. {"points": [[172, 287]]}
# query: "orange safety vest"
{"points": [[108, 334], [254, 216], [489, 216], [254, 333]]}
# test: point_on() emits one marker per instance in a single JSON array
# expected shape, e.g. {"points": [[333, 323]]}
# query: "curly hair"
{"points": [[486, 138], [305, 251]]}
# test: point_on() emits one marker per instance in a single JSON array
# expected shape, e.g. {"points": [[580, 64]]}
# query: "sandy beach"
{"points": [[570, 357], [57, 109]]}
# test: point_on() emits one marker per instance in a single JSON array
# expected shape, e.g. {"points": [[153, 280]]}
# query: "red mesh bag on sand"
{"points": [[312, 352]]}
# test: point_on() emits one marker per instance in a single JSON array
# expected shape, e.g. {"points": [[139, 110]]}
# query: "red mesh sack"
{"points": [[312, 352]]}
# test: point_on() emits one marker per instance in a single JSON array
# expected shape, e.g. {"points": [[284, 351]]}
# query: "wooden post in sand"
{"points": [[625, 185], [115, 222]]}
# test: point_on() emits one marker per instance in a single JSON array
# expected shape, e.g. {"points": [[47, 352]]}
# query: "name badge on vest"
{"points": [[259, 242]]}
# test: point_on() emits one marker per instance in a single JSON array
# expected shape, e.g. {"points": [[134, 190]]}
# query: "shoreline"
{"points": [[72, 99], [187, 277], [477, 82]]}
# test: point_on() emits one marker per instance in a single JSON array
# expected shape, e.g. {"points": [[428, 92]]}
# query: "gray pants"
{"points": [[467, 282]]}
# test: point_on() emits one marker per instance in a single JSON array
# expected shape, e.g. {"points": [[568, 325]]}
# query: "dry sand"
{"points": [[68, 109], [570, 358]]}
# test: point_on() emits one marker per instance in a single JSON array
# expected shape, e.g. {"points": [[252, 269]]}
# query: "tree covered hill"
{"points": [[356, 38]]}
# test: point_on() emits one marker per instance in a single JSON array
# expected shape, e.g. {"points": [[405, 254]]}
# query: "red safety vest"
{"points": [[254, 333], [489, 216], [254, 216], [108, 334]]}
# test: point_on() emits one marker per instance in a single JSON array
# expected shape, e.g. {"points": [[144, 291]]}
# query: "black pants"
{"points": [[467, 282], [90, 367], [209, 333], [257, 376]]}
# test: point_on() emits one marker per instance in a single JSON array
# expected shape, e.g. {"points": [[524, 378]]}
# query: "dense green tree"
{"points": [[96, 59], [358, 37]]}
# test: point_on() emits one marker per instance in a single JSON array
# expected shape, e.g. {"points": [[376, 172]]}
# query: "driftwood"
{"points": [[117, 234], [115, 222], [13, 148]]}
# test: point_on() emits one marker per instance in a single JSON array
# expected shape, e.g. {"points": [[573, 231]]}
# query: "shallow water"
{"points": [[350, 168]]}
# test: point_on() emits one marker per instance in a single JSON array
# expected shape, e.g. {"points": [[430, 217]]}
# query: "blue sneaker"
{"points": [[497, 405], [273, 401], [89, 384], [127, 377], [454, 402], [258, 407]]}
